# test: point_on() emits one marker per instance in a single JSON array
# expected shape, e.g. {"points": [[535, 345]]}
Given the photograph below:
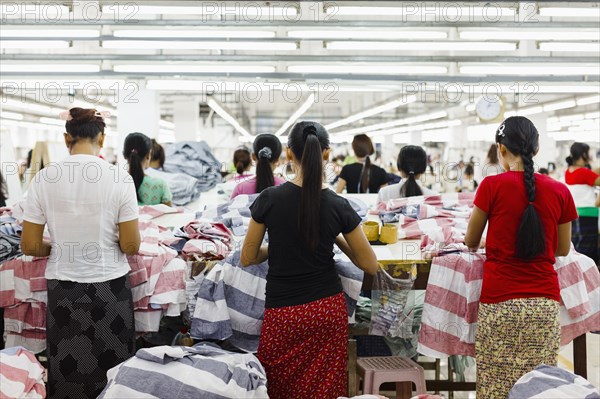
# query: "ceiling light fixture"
{"points": [[215, 68], [225, 114], [52, 121], [179, 33], [31, 44], [299, 112], [61, 68], [251, 11], [369, 69], [394, 123], [570, 12], [559, 105], [593, 47], [421, 46], [354, 34], [200, 45], [528, 34], [11, 115], [373, 111], [588, 100], [529, 70], [70, 33], [414, 10]]}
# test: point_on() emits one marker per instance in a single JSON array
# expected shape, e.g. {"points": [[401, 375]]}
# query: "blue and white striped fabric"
{"points": [[547, 382], [231, 301], [203, 371]]}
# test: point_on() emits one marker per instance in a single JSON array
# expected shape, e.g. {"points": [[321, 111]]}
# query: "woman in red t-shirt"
{"points": [[582, 182], [529, 218]]}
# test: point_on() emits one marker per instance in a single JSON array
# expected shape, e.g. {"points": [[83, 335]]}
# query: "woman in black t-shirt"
{"points": [[303, 342], [362, 176]]}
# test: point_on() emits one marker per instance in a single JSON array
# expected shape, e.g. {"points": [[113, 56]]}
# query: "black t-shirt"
{"points": [[297, 274], [351, 174]]}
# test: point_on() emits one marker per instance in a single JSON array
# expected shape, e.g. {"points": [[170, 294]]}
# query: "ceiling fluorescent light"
{"points": [[559, 105], [225, 114], [593, 47], [50, 11], [421, 46], [52, 121], [299, 112], [71, 33], [74, 68], [414, 10], [30, 44], [200, 45], [571, 89], [354, 34], [215, 68], [168, 33], [528, 34], [398, 122], [31, 107], [402, 138], [581, 136], [208, 8], [373, 111], [166, 124], [436, 136], [588, 100], [529, 70], [11, 115], [525, 111], [416, 128], [570, 12], [369, 69]]}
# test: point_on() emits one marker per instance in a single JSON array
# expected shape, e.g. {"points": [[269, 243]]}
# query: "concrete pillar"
{"points": [[137, 112], [548, 150], [186, 116]]}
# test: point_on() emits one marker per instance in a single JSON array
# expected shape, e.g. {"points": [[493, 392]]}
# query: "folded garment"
{"points": [[194, 159], [184, 188], [21, 374], [202, 371], [552, 382]]}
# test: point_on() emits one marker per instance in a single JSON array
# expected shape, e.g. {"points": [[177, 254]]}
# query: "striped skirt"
{"points": [[512, 339], [584, 234], [90, 329], [304, 349]]}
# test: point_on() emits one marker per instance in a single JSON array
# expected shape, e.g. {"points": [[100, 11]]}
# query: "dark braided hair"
{"points": [[520, 137]]}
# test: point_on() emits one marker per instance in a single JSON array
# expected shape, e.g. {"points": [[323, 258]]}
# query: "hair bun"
{"points": [[83, 115], [569, 160], [309, 130], [265, 153]]}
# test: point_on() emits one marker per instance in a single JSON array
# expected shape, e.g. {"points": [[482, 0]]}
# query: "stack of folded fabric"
{"points": [[21, 374], [10, 236], [202, 371], [194, 159], [207, 240], [184, 188]]}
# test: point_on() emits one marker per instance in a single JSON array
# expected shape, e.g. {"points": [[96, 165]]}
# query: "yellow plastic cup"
{"points": [[371, 230], [389, 233]]}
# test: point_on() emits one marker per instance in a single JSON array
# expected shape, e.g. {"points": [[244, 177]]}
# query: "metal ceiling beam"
{"points": [[241, 23], [298, 77], [593, 58]]}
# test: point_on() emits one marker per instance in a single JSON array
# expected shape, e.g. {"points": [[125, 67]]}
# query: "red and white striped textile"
{"points": [[21, 375], [449, 315], [148, 212], [207, 239]]}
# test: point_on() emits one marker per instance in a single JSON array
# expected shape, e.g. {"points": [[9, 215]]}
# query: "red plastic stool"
{"points": [[377, 370]]}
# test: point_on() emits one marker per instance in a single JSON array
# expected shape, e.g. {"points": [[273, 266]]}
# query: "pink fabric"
{"points": [[22, 375], [249, 186], [451, 304], [207, 239]]}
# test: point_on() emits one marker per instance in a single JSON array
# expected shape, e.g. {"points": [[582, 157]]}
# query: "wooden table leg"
{"points": [[404, 390], [352, 375], [580, 356]]}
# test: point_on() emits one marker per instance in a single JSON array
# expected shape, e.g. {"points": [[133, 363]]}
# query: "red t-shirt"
{"points": [[581, 176], [504, 198]]}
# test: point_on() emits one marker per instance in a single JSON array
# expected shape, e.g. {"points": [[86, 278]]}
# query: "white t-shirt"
{"points": [[82, 199], [393, 191]]}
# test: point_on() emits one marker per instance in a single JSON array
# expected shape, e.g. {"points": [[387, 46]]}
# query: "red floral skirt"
{"points": [[304, 349]]}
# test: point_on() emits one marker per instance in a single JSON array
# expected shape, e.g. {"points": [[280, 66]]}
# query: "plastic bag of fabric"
{"points": [[390, 315]]}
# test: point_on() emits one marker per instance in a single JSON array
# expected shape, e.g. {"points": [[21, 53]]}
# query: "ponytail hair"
{"points": [[412, 160], [241, 160], [137, 146], [308, 140], [520, 137], [578, 151], [363, 147], [267, 149]]}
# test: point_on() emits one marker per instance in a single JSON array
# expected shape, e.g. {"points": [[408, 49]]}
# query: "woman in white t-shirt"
{"points": [[412, 163], [90, 208]]}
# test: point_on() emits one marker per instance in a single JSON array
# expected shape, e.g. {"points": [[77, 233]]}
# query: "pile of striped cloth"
{"points": [[231, 301], [21, 375], [157, 279], [438, 218], [203, 371], [449, 315], [552, 382]]}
